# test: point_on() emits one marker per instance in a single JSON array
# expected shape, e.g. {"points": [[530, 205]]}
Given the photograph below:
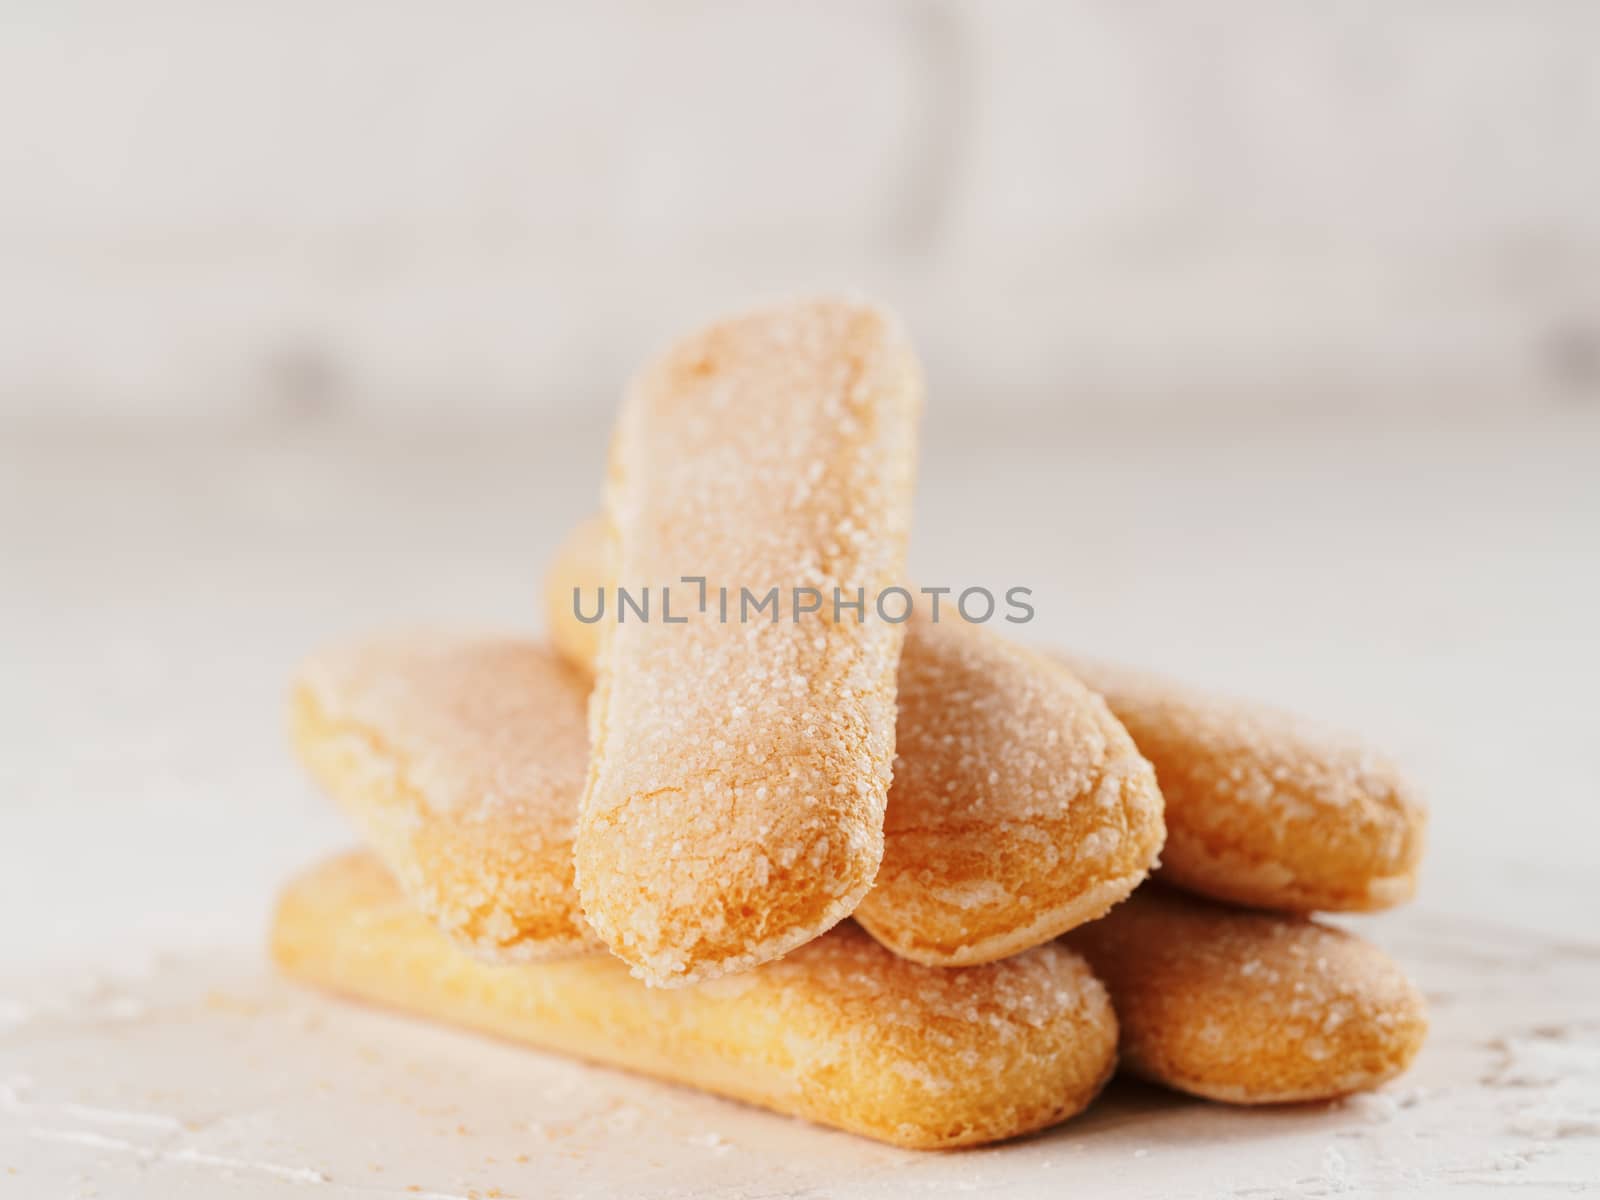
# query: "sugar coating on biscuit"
{"points": [[1263, 808], [1020, 807], [840, 1031], [462, 758], [1248, 1007], [734, 806]]}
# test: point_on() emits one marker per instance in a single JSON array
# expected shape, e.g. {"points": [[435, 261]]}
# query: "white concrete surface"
{"points": [[1435, 588]]}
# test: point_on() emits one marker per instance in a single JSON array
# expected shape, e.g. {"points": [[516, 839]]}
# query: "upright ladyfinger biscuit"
{"points": [[1250, 1008], [1264, 809], [1019, 807], [734, 806], [840, 1032], [462, 760]]}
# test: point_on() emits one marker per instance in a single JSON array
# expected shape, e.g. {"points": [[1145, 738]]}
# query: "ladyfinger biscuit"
{"points": [[734, 804], [585, 557], [1019, 806], [840, 1032], [1250, 1008], [462, 760], [1264, 809]]}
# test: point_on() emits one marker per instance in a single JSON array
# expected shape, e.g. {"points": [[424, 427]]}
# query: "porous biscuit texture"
{"points": [[1248, 1007], [1019, 808], [734, 804], [461, 758], [841, 1031], [1265, 809]]}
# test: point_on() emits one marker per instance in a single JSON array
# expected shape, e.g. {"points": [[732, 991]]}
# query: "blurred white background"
{"points": [[451, 215]]}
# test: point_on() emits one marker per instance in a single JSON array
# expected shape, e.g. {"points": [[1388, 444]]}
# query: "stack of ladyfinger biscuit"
{"points": [[890, 876]]}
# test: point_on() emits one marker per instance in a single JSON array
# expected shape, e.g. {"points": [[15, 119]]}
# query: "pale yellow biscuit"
{"points": [[1265, 809], [462, 760], [1019, 806], [734, 805], [585, 558], [840, 1031], [1248, 1007], [1019, 809]]}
